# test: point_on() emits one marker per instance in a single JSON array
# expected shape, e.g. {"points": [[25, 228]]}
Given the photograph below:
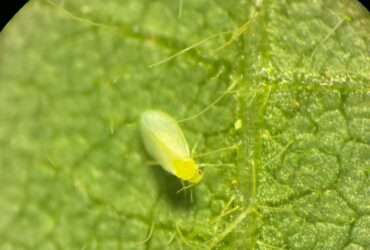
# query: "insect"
{"points": [[166, 143]]}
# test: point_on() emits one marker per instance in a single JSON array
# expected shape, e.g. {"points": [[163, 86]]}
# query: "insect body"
{"points": [[166, 143]]}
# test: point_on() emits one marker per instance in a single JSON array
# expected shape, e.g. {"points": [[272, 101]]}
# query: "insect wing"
{"points": [[163, 138]]}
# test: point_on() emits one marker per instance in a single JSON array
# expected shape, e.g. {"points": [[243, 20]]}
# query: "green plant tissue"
{"points": [[278, 95]]}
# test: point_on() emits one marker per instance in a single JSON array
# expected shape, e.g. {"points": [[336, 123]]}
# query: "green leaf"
{"points": [[76, 75]]}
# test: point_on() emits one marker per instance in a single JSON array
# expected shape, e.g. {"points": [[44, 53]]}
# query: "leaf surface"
{"points": [[76, 75]]}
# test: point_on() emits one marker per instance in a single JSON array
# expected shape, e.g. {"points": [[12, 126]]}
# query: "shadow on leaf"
{"points": [[169, 186]]}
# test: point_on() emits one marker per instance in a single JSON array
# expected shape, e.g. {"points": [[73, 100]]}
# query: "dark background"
{"points": [[366, 3], [10, 7]]}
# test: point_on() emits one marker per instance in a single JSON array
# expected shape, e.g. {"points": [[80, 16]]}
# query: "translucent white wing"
{"points": [[163, 138]]}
